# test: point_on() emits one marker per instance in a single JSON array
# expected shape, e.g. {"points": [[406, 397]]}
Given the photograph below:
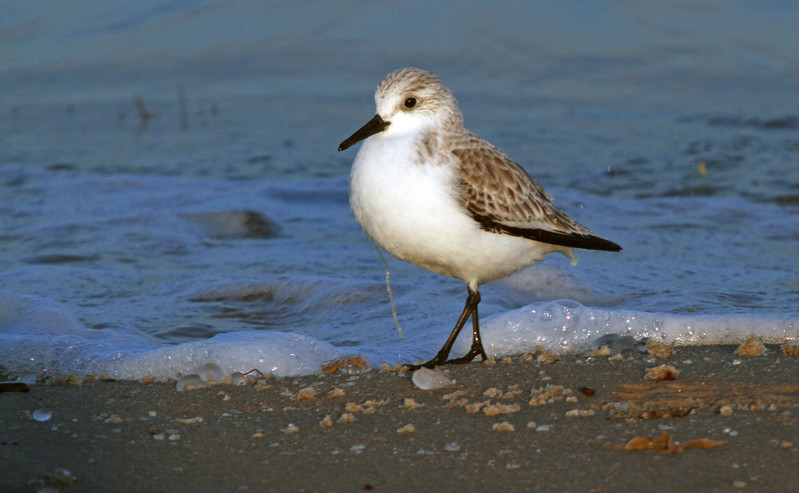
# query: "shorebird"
{"points": [[432, 193]]}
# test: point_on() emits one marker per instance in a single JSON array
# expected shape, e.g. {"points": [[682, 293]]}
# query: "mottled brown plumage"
{"points": [[503, 198]]}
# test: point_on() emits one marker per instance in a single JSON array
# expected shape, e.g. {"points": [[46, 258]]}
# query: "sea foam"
{"points": [[41, 337]]}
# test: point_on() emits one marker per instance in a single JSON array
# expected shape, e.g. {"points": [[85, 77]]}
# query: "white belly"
{"points": [[411, 211]]}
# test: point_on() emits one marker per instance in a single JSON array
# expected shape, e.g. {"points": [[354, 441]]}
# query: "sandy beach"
{"points": [[516, 425]]}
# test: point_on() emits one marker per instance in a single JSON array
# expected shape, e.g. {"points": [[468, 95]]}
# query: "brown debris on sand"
{"points": [[665, 443], [339, 364], [751, 347], [662, 372]]}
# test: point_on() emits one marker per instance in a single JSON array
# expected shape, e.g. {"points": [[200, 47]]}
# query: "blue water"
{"points": [[217, 229]]}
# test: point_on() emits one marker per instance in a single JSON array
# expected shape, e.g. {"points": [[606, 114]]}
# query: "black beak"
{"points": [[375, 125]]}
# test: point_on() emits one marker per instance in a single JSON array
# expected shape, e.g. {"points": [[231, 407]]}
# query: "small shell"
{"points": [[427, 379]]}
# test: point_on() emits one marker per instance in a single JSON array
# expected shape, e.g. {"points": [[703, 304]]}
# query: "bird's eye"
{"points": [[410, 102]]}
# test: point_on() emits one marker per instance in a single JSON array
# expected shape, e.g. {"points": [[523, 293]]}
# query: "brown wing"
{"points": [[503, 198]]}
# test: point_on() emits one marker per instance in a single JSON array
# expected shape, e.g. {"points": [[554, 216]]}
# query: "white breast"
{"points": [[412, 211]]}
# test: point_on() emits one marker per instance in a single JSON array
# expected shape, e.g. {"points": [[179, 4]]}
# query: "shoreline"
{"points": [[526, 425]]}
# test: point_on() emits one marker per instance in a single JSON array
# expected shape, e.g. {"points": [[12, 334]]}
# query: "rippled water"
{"points": [[168, 172]]}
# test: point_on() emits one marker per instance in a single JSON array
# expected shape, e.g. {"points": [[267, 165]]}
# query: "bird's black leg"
{"points": [[477, 346], [477, 343]]}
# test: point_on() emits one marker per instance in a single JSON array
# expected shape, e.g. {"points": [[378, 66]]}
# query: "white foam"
{"points": [[568, 326], [40, 336]]}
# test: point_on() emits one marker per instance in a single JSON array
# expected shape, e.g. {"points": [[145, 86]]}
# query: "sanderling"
{"points": [[432, 193]]}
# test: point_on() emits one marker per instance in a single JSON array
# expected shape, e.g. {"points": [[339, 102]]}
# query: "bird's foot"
{"points": [[473, 353], [429, 364], [439, 360]]}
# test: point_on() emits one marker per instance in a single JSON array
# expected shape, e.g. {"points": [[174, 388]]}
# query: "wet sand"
{"points": [[564, 428]]}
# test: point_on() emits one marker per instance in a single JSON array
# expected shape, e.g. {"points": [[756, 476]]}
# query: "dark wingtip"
{"points": [[607, 245], [574, 240], [589, 243]]}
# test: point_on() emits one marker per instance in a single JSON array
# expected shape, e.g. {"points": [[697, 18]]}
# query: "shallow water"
{"points": [[219, 225]]}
